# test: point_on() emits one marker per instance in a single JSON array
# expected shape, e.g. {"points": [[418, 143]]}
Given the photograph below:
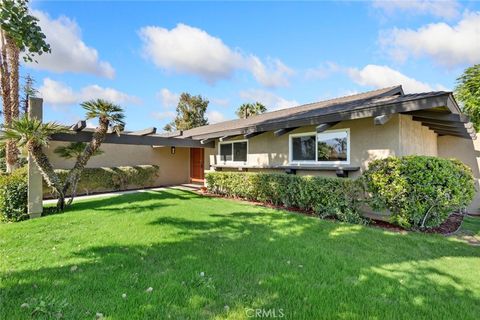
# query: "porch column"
{"points": [[35, 183]]}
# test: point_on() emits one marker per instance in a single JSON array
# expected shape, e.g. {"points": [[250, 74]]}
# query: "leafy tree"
{"points": [[190, 113], [250, 109], [110, 116], [33, 135], [468, 93], [28, 91], [19, 33], [74, 150]]}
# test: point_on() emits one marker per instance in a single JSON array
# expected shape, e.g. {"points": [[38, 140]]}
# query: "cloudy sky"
{"points": [[142, 55]]}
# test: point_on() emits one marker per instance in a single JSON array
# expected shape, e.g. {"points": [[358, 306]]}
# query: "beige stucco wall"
{"points": [[416, 139], [174, 169], [467, 151], [367, 142]]}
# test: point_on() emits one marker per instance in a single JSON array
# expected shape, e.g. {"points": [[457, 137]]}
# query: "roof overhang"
{"points": [[441, 104]]}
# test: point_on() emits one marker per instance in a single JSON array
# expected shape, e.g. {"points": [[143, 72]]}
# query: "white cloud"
{"points": [[215, 117], [168, 98], [220, 102], [57, 94], [323, 71], [270, 100], [166, 115], [382, 76], [69, 52], [447, 45], [189, 50], [276, 74], [447, 9]]}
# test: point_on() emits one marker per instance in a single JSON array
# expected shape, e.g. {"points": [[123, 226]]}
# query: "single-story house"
{"points": [[336, 137]]}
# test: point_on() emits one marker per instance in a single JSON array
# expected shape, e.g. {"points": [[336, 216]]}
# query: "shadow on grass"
{"points": [[269, 260]]}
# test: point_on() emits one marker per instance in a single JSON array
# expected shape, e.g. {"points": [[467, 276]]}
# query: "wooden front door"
{"points": [[196, 165]]}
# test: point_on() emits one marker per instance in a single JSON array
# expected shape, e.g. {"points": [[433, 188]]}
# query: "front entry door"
{"points": [[196, 165]]}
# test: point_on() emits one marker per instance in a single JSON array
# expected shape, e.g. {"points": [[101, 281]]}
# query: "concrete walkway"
{"points": [[188, 187]]}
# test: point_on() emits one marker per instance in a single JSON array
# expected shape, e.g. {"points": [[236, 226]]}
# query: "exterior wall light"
{"points": [[172, 150]]}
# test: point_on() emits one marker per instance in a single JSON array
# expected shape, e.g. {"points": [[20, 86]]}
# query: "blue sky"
{"points": [[142, 55]]}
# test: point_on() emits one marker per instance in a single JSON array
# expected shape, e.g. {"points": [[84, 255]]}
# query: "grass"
{"points": [[81, 262]]}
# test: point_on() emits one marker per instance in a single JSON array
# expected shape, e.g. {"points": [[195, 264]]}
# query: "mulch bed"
{"points": [[450, 226]]}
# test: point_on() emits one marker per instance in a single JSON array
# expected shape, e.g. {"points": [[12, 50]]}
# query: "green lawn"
{"points": [[82, 262]]}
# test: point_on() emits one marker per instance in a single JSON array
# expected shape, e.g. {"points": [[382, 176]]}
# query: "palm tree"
{"points": [[250, 109], [110, 116], [74, 150], [33, 135]]}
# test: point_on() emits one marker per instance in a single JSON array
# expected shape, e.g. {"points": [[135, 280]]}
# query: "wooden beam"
{"points": [[252, 134], [79, 126], [126, 138], [439, 116], [324, 126], [452, 129], [172, 134], [443, 123], [281, 132], [144, 132], [454, 133], [381, 120], [206, 141], [226, 138]]}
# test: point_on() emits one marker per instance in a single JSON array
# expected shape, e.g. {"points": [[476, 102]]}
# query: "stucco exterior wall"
{"points": [[367, 142], [174, 169], [467, 151], [416, 139]]}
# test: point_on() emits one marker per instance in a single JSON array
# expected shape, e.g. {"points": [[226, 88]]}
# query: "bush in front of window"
{"points": [[419, 191], [325, 196]]}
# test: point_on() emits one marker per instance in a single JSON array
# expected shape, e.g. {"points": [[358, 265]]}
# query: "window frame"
{"points": [[314, 133], [233, 154]]}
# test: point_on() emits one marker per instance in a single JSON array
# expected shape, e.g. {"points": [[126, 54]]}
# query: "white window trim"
{"points": [[232, 161], [298, 162]]}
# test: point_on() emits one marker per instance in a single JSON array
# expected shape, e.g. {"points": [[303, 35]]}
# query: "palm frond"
{"points": [[25, 130]]}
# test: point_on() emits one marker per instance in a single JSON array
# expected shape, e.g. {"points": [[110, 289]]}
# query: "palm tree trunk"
{"points": [[13, 54], [74, 174], [6, 99], [48, 174]]}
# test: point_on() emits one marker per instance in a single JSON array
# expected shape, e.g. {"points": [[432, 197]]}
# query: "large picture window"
{"points": [[330, 147], [233, 151]]}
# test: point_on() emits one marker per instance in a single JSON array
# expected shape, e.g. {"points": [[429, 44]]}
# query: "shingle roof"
{"points": [[357, 99]]}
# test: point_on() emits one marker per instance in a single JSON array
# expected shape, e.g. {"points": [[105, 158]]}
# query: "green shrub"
{"points": [[419, 191], [13, 195], [327, 197], [112, 179]]}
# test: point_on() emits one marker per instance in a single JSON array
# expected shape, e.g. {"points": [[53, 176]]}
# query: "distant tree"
{"points": [[467, 92], [19, 33], [28, 91], [74, 150], [250, 109], [190, 113]]}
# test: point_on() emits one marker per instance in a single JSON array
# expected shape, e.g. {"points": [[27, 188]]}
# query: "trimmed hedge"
{"points": [[111, 179], [13, 195], [419, 191], [327, 197]]}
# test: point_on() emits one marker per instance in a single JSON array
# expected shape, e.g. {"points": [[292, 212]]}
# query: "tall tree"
{"points": [[28, 91], [190, 113], [33, 135], [110, 116], [250, 109], [19, 33], [467, 92]]}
